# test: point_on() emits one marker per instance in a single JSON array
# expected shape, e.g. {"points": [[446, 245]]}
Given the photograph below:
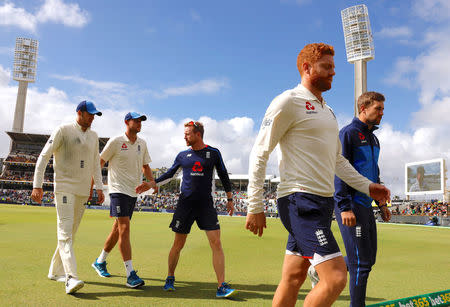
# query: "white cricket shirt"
{"points": [[126, 160], [75, 160], [308, 135]]}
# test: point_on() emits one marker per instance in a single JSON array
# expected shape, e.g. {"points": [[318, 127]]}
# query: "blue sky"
{"points": [[223, 62]]}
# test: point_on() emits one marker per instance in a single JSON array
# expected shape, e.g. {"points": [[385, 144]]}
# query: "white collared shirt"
{"points": [[75, 160], [310, 150], [125, 162]]}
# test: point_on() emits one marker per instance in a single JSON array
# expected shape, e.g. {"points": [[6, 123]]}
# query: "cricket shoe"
{"points": [[169, 286], [100, 268], [225, 290], [73, 284], [133, 281]]}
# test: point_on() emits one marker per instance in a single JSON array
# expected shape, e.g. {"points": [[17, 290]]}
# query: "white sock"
{"points": [[128, 266], [102, 257]]}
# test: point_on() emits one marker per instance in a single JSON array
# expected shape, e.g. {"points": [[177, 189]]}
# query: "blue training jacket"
{"points": [[361, 148]]}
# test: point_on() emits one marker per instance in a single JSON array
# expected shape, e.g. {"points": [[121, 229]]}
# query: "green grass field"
{"points": [[411, 260]]}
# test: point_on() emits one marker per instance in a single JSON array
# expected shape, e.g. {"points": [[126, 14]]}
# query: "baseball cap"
{"points": [[88, 106], [135, 115]]}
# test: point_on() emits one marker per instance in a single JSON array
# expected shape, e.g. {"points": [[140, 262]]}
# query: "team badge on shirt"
{"points": [[310, 108]]}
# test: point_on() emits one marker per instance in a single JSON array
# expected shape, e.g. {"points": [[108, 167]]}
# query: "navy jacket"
{"points": [[198, 170], [361, 148]]}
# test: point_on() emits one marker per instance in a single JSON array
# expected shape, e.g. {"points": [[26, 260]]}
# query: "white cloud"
{"points": [[47, 109], [395, 32], [101, 85], [10, 15], [56, 11], [432, 10], [207, 86], [69, 14]]}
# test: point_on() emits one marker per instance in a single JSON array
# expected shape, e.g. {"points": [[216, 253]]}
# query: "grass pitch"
{"points": [[411, 260]]}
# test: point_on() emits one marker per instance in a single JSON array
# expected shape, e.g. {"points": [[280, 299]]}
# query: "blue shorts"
{"points": [[308, 217], [189, 210], [121, 205]]}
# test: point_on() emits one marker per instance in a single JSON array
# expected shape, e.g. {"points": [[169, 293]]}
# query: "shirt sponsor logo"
{"points": [[82, 164], [310, 108], [362, 137], [197, 169], [124, 146], [139, 148], [208, 155]]}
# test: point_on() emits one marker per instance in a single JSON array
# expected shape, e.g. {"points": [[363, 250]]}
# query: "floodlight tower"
{"points": [[25, 63], [358, 45]]}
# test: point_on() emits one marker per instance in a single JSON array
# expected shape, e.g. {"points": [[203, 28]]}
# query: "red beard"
{"points": [[321, 83]]}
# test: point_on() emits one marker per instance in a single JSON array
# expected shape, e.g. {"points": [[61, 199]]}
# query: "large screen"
{"points": [[424, 177]]}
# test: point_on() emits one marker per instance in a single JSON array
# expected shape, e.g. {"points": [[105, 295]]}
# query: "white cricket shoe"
{"points": [[58, 278], [73, 284], [313, 276]]}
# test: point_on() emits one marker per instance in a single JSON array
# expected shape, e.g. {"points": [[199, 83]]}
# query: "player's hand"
{"points": [[348, 218], [256, 222], [37, 194], [380, 193], [100, 197], [144, 186], [230, 207], [385, 213]]}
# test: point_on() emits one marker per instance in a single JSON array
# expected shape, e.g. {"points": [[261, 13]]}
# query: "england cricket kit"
{"points": [[125, 162], [361, 147], [306, 131], [195, 201], [75, 161]]}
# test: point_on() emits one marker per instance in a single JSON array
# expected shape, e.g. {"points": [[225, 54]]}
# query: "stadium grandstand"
{"points": [[17, 169]]}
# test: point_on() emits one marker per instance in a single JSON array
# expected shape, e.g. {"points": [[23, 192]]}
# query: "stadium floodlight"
{"points": [[358, 45], [25, 64]]}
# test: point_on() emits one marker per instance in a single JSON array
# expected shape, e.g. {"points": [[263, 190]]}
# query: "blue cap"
{"points": [[135, 115], [89, 107]]}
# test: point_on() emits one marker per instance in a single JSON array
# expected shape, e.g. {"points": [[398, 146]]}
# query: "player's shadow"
{"points": [[185, 290]]}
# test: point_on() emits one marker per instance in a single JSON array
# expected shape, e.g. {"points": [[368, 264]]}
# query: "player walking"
{"points": [[196, 203], [127, 158], [304, 126], [75, 161], [353, 209]]}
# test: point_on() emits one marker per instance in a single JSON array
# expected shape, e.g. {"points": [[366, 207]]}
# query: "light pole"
{"points": [[358, 45], [25, 63]]}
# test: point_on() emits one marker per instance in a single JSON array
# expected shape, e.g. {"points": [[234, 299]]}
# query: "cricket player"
{"points": [[196, 202], [306, 129], [75, 151], [353, 209], [127, 156]]}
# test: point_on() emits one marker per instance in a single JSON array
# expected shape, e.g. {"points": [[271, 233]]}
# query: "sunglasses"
{"points": [[192, 123]]}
